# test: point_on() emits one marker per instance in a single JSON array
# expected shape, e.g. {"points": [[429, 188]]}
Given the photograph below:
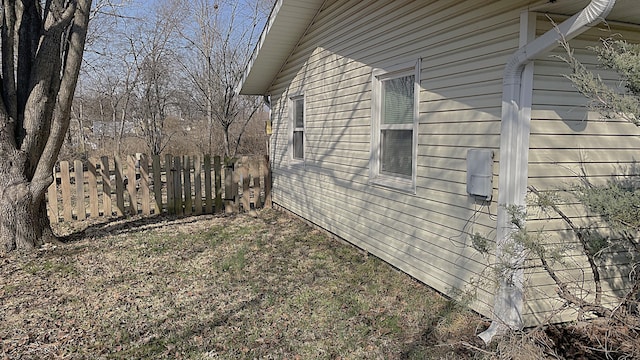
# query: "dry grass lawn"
{"points": [[209, 287]]}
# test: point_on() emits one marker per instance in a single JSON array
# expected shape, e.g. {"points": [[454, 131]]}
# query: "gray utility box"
{"points": [[480, 173]]}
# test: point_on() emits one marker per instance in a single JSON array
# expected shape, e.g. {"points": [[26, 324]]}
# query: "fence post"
{"points": [[218, 185], [144, 184], [169, 175], [188, 200], [197, 185], [79, 178], [245, 180], [119, 186], [92, 181], [230, 187], [177, 186], [157, 184], [256, 175], [106, 186], [131, 185], [208, 202]]}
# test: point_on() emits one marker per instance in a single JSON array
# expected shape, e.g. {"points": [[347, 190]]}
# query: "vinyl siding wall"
{"points": [[463, 46], [565, 139]]}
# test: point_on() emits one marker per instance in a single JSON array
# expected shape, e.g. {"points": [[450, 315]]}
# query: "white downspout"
{"points": [[514, 161]]}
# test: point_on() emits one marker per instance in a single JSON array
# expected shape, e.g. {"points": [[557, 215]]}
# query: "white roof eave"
{"points": [[287, 23]]}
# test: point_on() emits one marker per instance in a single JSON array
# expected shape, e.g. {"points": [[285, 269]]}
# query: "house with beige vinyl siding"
{"points": [[406, 127]]}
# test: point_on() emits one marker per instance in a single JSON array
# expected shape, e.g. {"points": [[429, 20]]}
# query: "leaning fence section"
{"points": [[150, 185]]}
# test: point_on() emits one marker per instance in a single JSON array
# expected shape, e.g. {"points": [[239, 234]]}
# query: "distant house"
{"points": [[405, 127]]}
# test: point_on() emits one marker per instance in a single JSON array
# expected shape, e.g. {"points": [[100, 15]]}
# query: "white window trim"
{"points": [[292, 126], [376, 177]]}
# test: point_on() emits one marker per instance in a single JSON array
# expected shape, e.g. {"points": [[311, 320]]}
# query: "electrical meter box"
{"points": [[480, 173]]}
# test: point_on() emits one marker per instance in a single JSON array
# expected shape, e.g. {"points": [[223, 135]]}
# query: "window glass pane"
{"points": [[298, 145], [396, 152], [397, 100], [299, 113]]}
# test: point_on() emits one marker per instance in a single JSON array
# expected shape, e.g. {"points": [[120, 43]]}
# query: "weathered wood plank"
{"points": [[177, 182], [169, 174], [92, 183], [197, 185], [218, 183], [120, 210], [106, 186], [144, 185], [79, 179], [131, 185], [245, 178], [157, 184], [256, 174], [208, 200], [186, 173], [230, 187]]}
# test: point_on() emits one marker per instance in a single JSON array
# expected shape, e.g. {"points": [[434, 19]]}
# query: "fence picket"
{"points": [[208, 200], [197, 185], [78, 172], [217, 163], [177, 182], [230, 188], [144, 185], [186, 174], [117, 167], [245, 178], [157, 184], [255, 170], [92, 183], [131, 185], [106, 186], [168, 165]]}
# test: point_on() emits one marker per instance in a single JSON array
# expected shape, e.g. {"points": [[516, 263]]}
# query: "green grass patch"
{"points": [[40, 266]]}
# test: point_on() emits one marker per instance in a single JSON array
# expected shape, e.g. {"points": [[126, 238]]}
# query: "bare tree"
{"points": [[153, 51], [222, 41], [42, 49]]}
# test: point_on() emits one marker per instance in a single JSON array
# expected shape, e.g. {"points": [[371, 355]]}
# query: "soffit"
{"points": [[287, 23]]}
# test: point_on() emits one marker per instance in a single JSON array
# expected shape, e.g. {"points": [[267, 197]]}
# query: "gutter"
{"points": [[514, 161]]}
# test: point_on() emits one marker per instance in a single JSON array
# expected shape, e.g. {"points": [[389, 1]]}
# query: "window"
{"points": [[394, 126], [297, 124]]}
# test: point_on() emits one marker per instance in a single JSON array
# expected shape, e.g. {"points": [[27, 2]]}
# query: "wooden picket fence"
{"points": [[142, 185]]}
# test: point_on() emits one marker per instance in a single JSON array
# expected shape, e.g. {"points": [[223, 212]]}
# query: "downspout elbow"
{"points": [[593, 14]]}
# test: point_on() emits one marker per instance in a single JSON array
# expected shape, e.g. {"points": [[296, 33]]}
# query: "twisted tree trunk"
{"points": [[42, 51]]}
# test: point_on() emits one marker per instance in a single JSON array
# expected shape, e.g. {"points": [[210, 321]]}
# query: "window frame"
{"points": [[293, 100], [377, 176]]}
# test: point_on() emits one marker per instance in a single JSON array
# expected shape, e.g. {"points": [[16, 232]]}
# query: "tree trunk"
{"points": [[41, 57], [24, 224]]}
